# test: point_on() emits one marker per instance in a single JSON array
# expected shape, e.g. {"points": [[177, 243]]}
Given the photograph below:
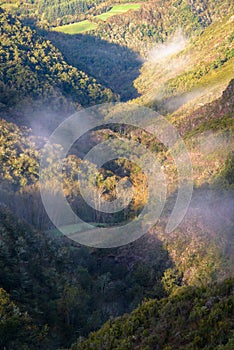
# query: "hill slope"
{"points": [[34, 72], [199, 57], [157, 19], [191, 318], [55, 291], [184, 72], [69, 290]]}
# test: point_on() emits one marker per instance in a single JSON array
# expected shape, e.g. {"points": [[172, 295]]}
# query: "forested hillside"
{"points": [[166, 290], [203, 63], [57, 283], [52, 11], [157, 19], [191, 318], [67, 290], [59, 12], [34, 75], [197, 70], [113, 65]]}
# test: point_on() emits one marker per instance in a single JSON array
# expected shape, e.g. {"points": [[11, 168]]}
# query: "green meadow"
{"points": [[117, 10], [76, 28], [84, 26]]}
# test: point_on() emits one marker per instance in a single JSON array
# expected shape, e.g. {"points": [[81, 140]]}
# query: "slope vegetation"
{"points": [[87, 25], [33, 69], [157, 19], [188, 73], [55, 291], [191, 318]]}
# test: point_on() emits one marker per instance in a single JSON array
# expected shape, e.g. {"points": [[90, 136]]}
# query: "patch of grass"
{"points": [[8, 6], [117, 10], [75, 228], [76, 28], [84, 26], [68, 229]]}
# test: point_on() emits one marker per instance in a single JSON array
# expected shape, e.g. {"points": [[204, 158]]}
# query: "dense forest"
{"points": [[186, 320], [156, 20], [166, 290], [58, 284], [57, 12]]}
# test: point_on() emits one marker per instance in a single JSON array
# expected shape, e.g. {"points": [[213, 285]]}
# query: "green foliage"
{"points": [[191, 318], [16, 327], [18, 155], [171, 279], [228, 171], [53, 11], [156, 20], [68, 289], [33, 68], [86, 25]]}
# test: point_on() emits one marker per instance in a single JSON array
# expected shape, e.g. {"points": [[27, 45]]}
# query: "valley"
{"points": [[167, 289]]}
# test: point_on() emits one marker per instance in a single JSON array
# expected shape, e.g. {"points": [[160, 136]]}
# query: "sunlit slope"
{"points": [[191, 82], [183, 70]]}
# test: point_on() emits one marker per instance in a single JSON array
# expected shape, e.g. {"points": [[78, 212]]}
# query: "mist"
{"points": [[211, 211], [165, 60], [174, 45], [176, 102]]}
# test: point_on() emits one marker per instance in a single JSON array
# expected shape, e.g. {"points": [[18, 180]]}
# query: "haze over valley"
{"points": [[143, 257]]}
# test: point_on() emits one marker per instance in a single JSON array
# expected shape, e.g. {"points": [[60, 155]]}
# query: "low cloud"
{"points": [[174, 45]]}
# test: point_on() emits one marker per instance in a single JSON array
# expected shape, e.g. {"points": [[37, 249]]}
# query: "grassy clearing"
{"points": [[117, 10], [76, 28], [8, 6], [84, 26], [75, 228], [69, 229]]}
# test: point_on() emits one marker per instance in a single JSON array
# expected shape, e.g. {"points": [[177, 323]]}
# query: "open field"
{"points": [[68, 229], [76, 28], [84, 26], [75, 228], [118, 9], [8, 6]]}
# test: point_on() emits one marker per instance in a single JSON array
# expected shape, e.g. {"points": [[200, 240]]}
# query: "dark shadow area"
{"points": [[112, 65], [75, 289]]}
